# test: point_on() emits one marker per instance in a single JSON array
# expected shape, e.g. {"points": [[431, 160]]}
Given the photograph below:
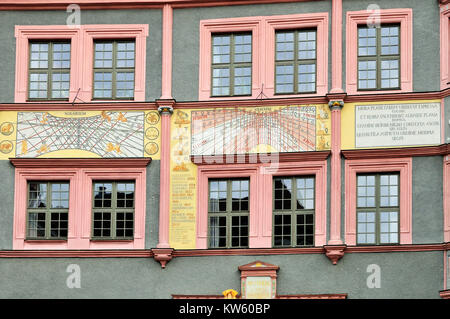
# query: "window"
{"points": [[293, 217], [49, 70], [295, 61], [113, 210], [114, 63], [228, 213], [379, 57], [378, 209], [62, 197], [47, 212], [278, 65], [231, 64]]}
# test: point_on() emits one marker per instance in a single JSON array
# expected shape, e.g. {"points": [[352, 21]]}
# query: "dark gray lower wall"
{"points": [[402, 275]]}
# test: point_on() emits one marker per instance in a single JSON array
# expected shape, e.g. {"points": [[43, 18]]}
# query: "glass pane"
{"points": [[37, 195], [284, 46], [102, 195]]}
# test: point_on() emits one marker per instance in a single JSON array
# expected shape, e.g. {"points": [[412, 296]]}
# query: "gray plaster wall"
{"points": [[152, 205], [7, 205], [8, 20], [427, 203], [426, 42], [402, 275], [186, 24]]}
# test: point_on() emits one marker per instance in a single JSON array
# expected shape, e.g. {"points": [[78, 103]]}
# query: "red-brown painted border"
{"points": [[79, 162], [127, 4], [153, 105]]}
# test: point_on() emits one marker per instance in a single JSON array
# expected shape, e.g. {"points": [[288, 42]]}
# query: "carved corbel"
{"points": [[162, 255], [334, 252]]}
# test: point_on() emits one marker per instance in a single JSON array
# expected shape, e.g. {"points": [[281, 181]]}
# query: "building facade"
{"points": [[182, 148]]}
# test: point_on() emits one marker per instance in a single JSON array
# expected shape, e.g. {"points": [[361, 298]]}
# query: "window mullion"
{"points": [[296, 62]]}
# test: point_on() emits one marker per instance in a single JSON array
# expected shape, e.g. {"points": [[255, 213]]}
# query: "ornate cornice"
{"points": [[252, 158], [443, 149], [141, 253]]}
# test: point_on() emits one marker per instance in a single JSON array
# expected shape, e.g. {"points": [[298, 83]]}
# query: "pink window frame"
{"points": [[445, 47], [401, 165], [446, 191], [82, 55], [207, 27], [261, 180], [120, 31], [297, 21], [80, 210], [263, 51], [355, 18]]}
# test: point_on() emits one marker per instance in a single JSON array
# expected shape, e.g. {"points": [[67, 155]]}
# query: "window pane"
{"points": [[284, 46], [217, 232], [306, 45], [59, 225], [60, 195], [102, 195], [103, 55], [36, 225], [102, 224], [367, 41], [125, 55], [102, 84], [284, 77]]}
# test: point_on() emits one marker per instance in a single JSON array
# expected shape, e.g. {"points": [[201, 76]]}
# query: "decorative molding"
{"points": [[445, 294], [334, 252], [127, 4], [162, 255], [80, 162], [148, 253], [153, 105], [380, 153], [259, 269], [89, 106]]}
